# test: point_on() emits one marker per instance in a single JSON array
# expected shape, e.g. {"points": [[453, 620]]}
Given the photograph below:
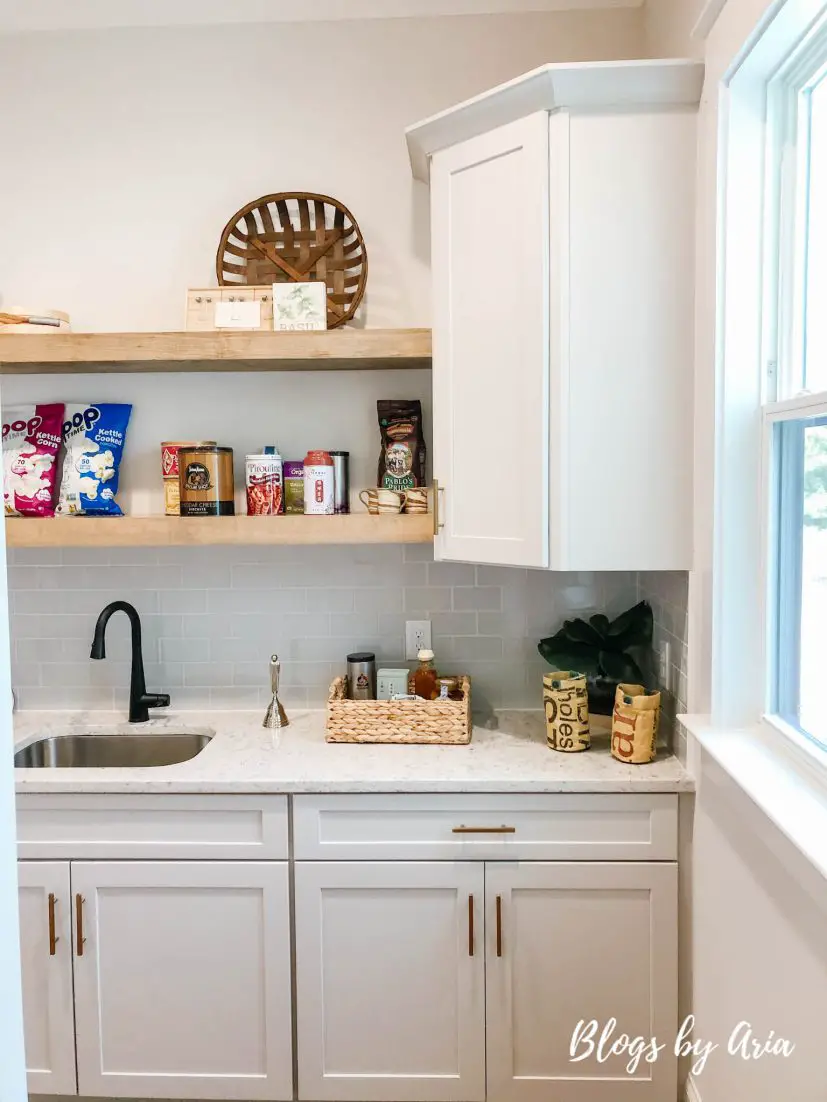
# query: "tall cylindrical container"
{"points": [[361, 675], [566, 703], [206, 481], [318, 483], [341, 481], [635, 722], [263, 478]]}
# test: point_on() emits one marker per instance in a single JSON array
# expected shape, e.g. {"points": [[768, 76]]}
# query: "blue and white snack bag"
{"points": [[93, 437]]}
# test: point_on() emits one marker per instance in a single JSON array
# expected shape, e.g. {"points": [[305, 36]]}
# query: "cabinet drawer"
{"points": [[565, 827], [161, 827]]}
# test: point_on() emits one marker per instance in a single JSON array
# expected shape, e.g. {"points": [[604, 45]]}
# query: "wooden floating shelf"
{"points": [[163, 531], [331, 350]]}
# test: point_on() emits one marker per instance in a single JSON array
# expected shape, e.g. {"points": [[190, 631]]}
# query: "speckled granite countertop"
{"points": [[243, 757]]}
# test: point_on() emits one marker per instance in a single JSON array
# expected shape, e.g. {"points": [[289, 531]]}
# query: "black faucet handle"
{"points": [[155, 700]]}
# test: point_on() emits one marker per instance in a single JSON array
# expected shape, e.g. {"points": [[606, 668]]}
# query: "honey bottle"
{"points": [[425, 680]]}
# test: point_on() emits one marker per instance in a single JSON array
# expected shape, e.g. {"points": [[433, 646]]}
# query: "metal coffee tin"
{"points": [[206, 481], [341, 481], [170, 474], [361, 675]]}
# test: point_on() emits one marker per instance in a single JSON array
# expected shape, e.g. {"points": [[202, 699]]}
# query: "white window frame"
{"points": [[759, 357]]}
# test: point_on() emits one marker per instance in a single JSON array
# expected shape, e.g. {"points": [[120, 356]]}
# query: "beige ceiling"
{"points": [[44, 15]]}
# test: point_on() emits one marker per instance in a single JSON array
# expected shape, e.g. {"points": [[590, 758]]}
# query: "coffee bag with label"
{"points": [[402, 457]]}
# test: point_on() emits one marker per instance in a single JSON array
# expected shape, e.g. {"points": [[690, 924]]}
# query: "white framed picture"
{"points": [[299, 306]]}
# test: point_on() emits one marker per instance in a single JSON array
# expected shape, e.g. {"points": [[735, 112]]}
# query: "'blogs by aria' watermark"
{"points": [[595, 1041]]}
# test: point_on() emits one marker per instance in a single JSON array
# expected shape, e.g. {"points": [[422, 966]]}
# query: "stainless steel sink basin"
{"points": [[110, 751]]}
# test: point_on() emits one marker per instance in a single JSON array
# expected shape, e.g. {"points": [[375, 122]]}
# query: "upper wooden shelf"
{"points": [[332, 350], [163, 531]]}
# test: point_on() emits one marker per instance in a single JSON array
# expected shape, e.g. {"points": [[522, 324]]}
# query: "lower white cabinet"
{"points": [[182, 987], [390, 975], [447, 981], [571, 942], [182, 979], [456, 967], [46, 959]]}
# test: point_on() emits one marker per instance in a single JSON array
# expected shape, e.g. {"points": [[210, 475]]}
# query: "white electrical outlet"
{"points": [[664, 665], [417, 638]]}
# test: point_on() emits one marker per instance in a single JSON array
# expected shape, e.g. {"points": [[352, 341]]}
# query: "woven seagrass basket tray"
{"points": [[436, 722]]}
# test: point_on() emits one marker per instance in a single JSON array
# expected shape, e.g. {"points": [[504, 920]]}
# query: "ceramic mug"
{"points": [[390, 501], [416, 501], [368, 499]]}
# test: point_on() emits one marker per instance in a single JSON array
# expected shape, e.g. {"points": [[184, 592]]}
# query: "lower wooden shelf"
{"points": [[163, 531]]}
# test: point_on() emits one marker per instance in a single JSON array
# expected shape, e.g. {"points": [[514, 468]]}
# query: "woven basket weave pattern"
{"points": [[295, 236], [438, 722]]}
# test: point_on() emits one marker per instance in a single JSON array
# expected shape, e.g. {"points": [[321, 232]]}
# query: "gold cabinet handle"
{"points": [[437, 523], [470, 925], [483, 830], [499, 907], [79, 901], [53, 938]]}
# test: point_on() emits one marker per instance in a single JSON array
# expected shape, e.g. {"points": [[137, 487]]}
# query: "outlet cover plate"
{"points": [[417, 638]]}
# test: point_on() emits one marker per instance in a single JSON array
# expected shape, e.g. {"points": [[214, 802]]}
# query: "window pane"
{"points": [[802, 575], [815, 333]]}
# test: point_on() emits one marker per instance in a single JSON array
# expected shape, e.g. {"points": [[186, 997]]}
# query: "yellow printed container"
{"points": [[635, 722], [566, 704]]}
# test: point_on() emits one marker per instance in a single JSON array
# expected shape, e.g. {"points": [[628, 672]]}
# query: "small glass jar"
{"points": [[425, 679]]}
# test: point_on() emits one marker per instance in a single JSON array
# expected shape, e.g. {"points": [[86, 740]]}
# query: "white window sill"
{"points": [[782, 778]]}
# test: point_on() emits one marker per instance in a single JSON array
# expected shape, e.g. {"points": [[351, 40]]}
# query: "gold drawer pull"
{"points": [[437, 522], [53, 938], [79, 901], [483, 830]]}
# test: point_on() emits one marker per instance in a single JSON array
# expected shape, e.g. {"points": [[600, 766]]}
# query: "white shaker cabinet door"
{"points": [[46, 959], [390, 981], [489, 256], [566, 943], [182, 985]]}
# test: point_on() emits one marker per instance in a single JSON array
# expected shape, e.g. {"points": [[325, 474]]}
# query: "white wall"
{"points": [[667, 26], [128, 150], [758, 918], [12, 1064], [131, 150], [759, 948]]}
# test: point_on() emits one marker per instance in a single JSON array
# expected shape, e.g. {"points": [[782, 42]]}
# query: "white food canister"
{"points": [[318, 483]]}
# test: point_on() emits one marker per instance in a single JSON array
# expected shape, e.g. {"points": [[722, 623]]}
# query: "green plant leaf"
{"points": [[620, 666], [600, 623], [564, 655], [632, 628], [578, 631]]}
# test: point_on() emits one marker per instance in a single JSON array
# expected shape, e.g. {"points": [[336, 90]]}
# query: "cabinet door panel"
{"points": [[390, 1001], [579, 942], [490, 246], [48, 1012], [183, 988]]}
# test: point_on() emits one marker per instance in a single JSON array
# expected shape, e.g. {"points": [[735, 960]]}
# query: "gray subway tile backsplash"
{"points": [[212, 617]]}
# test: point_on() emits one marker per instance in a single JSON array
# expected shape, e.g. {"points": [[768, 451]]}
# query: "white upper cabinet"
{"points": [[489, 218], [562, 223]]}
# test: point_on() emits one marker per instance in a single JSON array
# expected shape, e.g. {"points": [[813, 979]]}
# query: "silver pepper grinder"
{"points": [[276, 717]]}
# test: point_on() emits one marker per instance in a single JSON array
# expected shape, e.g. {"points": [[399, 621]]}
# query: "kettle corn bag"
{"points": [[31, 441]]}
